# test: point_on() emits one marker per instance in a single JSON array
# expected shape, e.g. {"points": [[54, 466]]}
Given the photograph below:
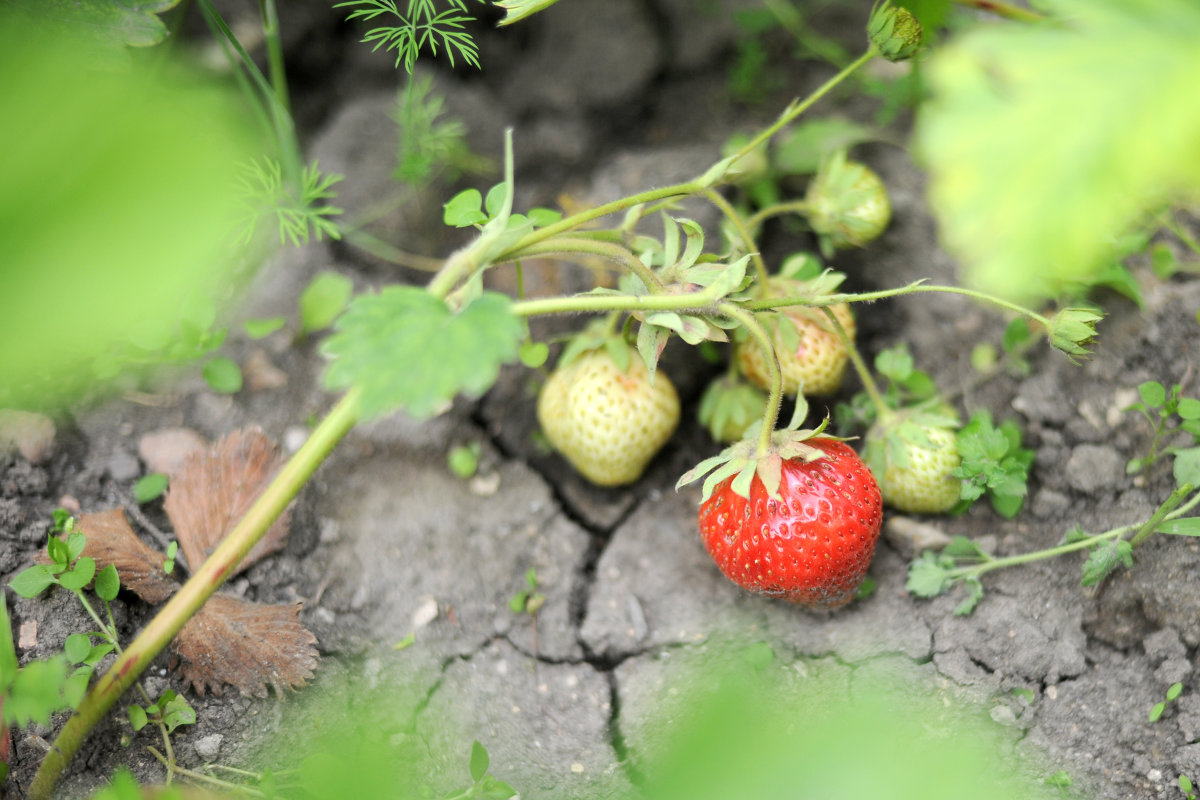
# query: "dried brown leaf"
{"points": [[110, 540], [246, 645], [215, 487]]}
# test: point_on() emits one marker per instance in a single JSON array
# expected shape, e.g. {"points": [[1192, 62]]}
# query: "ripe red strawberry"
{"points": [[812, 542], [607, 419]]}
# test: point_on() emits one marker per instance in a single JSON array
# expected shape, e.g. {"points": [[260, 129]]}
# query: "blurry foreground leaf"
{"points": [[1044, 141], [115, 211]]}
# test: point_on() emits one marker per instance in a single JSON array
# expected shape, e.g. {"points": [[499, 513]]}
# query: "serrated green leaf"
{"points": [[33, 581], [974, 595], [926, 577], [1019, 106], [1104, 558], [323, 300], [480, 761], [464, 209], [405, 349]]}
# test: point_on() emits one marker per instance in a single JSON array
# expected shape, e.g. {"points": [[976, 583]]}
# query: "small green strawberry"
{"points": [[848, 204], [915, 455], [811, 354], [605, 414]]}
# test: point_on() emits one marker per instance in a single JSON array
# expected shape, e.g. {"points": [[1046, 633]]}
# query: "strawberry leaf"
{"points": [[974, 595], [1018, 106], [405, 348], [926, 576]]}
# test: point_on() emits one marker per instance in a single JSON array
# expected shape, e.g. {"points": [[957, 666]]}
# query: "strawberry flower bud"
{"points": [[1073, 330], [894, 32]]}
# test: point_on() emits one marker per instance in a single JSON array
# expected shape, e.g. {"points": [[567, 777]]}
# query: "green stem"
{"points": [[1002, 9], [608, 250], [387, 251], [883, 412], [775, 374], [699, 302], [797, 107], [743, 230], [1170, 509], [200, 777], [912, 288], [207, 578], [794, 206]]}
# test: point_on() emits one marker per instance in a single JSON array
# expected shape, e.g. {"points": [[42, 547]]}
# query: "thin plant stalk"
{"points": [[192, 595], [775, 374]]}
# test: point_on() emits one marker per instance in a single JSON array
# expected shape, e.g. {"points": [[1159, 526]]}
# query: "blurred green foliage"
{"points": [[117, 210]]}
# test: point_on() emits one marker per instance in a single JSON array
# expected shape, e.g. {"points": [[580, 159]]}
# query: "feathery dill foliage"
{"points": [[299, 218], [421, 26]]}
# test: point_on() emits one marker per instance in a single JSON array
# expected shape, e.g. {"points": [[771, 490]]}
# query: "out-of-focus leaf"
{"points": [[1044, 141], [247, 645], [120, 22]]}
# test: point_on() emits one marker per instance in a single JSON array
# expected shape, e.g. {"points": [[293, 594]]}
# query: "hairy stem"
{"points": [[743, 230], [775, 394], [791, 207], [207, 578], [882, 410], [699, 302], [589, 246]]}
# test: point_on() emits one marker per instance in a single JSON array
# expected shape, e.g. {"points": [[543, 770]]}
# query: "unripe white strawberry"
{"points": [[815, 359], [848, 204], [915, 465], [606, 421]]}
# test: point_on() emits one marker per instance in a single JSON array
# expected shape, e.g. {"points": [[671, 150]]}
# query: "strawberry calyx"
{"points": [[748, 458]]}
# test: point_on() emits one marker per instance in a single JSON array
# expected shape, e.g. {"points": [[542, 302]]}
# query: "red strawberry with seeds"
{"points": [[798, 520]]}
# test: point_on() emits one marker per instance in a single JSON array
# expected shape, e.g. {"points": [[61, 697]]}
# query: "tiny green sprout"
{"points": [[1061, 780], [1172, 693], [1023, 693], [1185, 785], [463, 460], [169, 563], [149, 487], [1073, 331], [894, 32], [1169, 413], [137, 717], [528, 600], [262, 328], [405, 643]]}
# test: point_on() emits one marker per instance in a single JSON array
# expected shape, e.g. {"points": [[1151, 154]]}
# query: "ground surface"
{"points": [[608, 97]]}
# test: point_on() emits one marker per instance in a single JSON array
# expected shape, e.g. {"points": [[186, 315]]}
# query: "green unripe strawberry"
{"points": [[848, 204], [914, 460], [607, 419], [811, 354], [894, 32]]}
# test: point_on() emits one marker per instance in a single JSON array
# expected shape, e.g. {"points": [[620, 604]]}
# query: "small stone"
{"points": [[164, 450], [485, 485], [27, 635], [122, 466], [1164, 644], [1093, 467], [294, 438], [208, 747], [261, 374], [1003, 715], [426, 612], [577, 768], [1049, 503], [31, 434], [911, 537], [1051, 693], [1154, 775]]}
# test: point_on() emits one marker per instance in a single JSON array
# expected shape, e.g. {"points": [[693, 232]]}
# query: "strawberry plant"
{"points": [[787, 512]]}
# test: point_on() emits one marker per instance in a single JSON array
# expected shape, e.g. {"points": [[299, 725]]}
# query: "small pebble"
{"points": [[485, 485], [426, 612], [294, 438], [122, 466], [911, 537], [208, 747], [164, 450], [27, 636], [32, 435], [261, 374]]}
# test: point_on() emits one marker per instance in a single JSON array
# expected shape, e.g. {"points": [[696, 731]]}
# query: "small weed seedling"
{"points": [[1169, 413], [1172, 692], [1185, 786]]}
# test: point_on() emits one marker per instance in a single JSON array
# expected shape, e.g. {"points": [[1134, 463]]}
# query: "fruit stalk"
{"points": [[775, 393], [743, 230], [609, 250], [207, 578], [883, 411]]}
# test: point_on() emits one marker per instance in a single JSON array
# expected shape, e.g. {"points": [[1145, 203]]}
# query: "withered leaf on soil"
{"points": [[215, 487], [246, 645], [110, 540]]}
